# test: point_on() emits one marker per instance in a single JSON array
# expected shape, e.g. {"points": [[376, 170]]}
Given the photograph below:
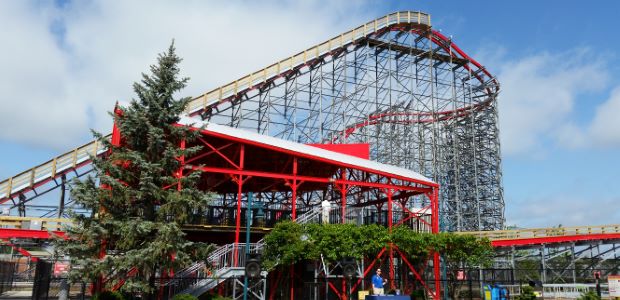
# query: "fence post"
{"points": [[64, 290], [83, 291], [471, 288], [42, 276]]}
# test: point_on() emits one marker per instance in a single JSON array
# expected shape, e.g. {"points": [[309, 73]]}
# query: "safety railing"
{"points": [[302, 58], [224, 257], [312, 216], [545, 232], [54, 224], [419, 220], [50, 169]]}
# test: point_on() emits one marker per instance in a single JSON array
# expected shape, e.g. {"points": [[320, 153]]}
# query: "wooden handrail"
{"points": [[303, 57], [545, 232], [49, 169]]}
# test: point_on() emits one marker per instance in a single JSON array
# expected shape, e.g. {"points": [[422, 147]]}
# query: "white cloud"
{"points": [[538, 97], [605, 128], [566, 209], [33, 96], [54, 90]]}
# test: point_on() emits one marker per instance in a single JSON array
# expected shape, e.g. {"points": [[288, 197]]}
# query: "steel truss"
{"points": [[407, 92], [571, 262]]}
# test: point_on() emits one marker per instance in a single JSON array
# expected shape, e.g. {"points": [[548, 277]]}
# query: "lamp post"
{"points": [[248, 223]]}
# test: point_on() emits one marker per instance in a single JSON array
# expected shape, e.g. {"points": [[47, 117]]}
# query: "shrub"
{"points": [[527, 293], [418, 294], [590, 295], [215, 297], [109, 295], [184, 297]]}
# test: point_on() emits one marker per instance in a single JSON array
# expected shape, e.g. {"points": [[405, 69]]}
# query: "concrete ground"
{"points": [[16, 295]]}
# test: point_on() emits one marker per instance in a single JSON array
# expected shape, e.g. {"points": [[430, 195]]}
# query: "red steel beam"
{"points": [[307, 178], [7, 233]]}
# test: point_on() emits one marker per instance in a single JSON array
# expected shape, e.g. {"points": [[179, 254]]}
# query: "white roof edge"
{"points": [[305, 149]]}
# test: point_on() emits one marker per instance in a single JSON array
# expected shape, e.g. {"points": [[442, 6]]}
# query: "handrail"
{"points": [[222, 257], [50, 169], [545, 232], [54, 224], [302, 58]]}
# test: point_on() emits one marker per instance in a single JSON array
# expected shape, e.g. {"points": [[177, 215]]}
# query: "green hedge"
{"points": [[184, 297], [109, 295]]}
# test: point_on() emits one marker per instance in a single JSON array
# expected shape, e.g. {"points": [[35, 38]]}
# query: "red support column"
{"points": [[435, 210], [390, 213], [343, 208], [390, 223], [239, 191], [294, 217], [294, 200], [343, 193], [435, 228], [292, 287], [181, 165]]}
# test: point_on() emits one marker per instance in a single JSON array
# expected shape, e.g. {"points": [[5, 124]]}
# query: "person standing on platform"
{"points": [[377, 283], [326, 206]]}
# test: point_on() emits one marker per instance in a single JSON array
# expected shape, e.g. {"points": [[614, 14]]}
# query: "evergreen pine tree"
{"points": [[137, 197]]}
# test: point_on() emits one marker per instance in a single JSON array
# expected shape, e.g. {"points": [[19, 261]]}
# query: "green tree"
{"points": [[460, 251], [137, 197], [290, 242]]}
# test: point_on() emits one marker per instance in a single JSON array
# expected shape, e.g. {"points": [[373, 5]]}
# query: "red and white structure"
{"points": [[237, 162]]}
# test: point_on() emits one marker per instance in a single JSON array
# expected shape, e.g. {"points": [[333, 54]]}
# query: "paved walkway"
{"points": [[16, 295]]}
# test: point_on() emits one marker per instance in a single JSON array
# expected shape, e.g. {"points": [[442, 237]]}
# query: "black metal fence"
{"points": [[7, 271]]}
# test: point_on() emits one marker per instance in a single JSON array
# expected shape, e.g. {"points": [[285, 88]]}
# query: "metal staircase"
{"points": [[225, 262]]}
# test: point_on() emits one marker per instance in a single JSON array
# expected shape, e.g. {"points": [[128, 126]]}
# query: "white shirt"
{"points": [[326, 205]]}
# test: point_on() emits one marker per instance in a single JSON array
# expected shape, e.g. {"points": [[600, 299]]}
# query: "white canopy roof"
{"points": [[304, 149]]}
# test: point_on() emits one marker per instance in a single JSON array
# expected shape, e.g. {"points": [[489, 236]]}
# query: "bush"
{"points": [[417, 294], [184, 297], [590, 295], [527, 293], [215, 297], [109, 295]]}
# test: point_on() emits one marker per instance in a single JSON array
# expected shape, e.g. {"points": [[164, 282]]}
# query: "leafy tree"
{"points": [[137, 197], [290, 242], [459, 251]]}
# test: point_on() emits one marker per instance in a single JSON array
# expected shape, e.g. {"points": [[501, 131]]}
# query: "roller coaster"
{"points": [[395, 84]]}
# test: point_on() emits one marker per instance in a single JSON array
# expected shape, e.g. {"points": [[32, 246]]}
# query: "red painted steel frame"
{"points": [[291, 177], [239, 175], [7, 233]]}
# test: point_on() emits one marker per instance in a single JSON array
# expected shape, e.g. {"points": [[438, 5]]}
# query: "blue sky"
{"points": [[65, 63]]}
